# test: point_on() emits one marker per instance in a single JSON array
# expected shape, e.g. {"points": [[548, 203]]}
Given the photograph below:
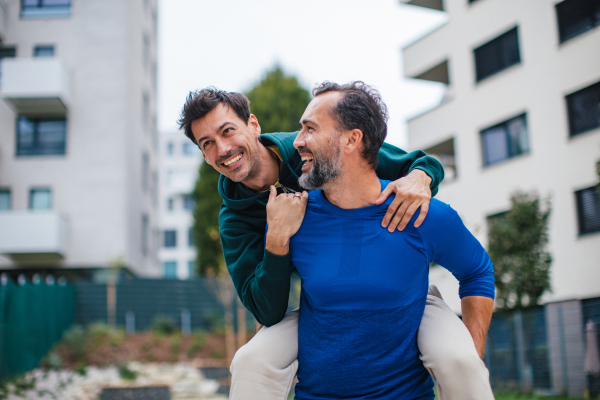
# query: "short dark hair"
{"points": [[201, 102], [360, 107]]}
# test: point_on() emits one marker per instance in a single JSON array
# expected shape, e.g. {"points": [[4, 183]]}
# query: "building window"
{"points": [[583, 108], [498, 54], [145, 171], [191, 237], [146, 50], [588, 210], [41, 136], [576, 17], [444, 153], [43, 51], [40, 199], [191, 269], [506, 140], [145, 110], [188, 202], [6, 52], [170, 204], [190, 149], [170, 269], [45, 8], [170, 148], [145, 234], [5, 199], [170, 238]]}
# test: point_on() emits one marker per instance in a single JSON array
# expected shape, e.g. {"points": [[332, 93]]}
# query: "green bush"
{"points": [[126, 374], [199, 340], [76, 341], [163, 325], [98, 330], [175, 344]]}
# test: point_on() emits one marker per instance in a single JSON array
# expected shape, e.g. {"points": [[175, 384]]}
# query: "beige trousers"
{"points": [[265, 367]]}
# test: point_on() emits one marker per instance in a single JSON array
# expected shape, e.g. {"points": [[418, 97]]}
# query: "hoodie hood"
{"points": [[237, 196]]}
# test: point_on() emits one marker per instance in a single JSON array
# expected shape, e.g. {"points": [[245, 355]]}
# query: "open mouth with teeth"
{"points": [[308, 161], [233, 161]]}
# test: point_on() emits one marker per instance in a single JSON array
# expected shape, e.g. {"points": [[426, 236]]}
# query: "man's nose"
{"points": [[299, 141], [223, 146]]}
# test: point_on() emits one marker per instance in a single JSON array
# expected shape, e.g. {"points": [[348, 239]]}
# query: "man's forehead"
{"points": [[214, 120], [320, 106]]}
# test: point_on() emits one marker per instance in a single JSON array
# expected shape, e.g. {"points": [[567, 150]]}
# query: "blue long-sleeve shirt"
{"points": [[363, 295]]}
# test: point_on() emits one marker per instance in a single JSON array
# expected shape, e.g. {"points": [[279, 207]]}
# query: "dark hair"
{"points": [[201, 102], [361, 108]]}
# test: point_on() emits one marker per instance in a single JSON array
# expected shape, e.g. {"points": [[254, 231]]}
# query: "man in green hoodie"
{"points": [[229, 136]]}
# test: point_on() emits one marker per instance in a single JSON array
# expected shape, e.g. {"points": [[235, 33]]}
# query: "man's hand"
{"points": [[476, 315], [412, 192], [284, 217]]}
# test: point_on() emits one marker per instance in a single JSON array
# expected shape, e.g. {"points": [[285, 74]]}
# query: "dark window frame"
{"points": [[584, 16], [59, 10], [43, 47], [170, 238], [509, 146], [499, 47], [6, 52], [9, 191], [40, 189], [36, 149], [593, 91], [582, 229]]}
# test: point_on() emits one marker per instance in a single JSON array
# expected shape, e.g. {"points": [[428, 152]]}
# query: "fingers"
{"points": [[273, 194], [398, 217], [412, 209], [384, 195], [393, 207], [423, 214]]}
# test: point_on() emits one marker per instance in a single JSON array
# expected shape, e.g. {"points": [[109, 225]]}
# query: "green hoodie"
{"points": [[262, 279]]}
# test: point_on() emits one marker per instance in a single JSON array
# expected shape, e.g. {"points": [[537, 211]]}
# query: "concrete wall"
{"points": [[98, 183]]}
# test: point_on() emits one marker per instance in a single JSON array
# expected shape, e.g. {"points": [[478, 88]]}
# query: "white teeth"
{"points": [[306, 158], [232, 161]]}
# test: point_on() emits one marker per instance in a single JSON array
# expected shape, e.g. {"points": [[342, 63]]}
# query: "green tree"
{"points": [[278, 101], [205, 232], [518, 248]]}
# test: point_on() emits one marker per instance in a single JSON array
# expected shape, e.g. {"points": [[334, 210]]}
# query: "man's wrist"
{"points": [[424, 174], [277, 244]]}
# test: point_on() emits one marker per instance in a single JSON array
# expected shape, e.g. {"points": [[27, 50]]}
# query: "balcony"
{"points": [[33, 237], [433, 4], [35, 85]]}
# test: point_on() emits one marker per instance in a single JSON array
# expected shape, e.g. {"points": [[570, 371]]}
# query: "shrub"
{"points": [[163, 325], [199, 340], [76, 341]]}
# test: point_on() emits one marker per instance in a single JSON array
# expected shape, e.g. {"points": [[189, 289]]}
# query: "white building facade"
{"points": [[78, 175], [521, 112], [179, 165]]}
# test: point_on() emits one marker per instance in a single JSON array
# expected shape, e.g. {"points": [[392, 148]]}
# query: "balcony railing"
{"points": [[35, 85], [33, 237]]}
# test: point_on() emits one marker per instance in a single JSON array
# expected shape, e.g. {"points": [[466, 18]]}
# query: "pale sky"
{"points": [[230, 44]]}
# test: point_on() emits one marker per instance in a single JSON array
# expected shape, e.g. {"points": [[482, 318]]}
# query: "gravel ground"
{"points": [[186, 382]]}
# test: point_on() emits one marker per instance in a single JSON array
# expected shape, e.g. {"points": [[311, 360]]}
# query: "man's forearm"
{"points": [[477, 314]]}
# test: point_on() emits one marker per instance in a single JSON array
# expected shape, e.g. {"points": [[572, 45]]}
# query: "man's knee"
{"points": [[456, 363], [247, 358]]}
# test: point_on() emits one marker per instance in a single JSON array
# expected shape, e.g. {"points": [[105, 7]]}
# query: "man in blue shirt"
{"points": [[364, 289]]}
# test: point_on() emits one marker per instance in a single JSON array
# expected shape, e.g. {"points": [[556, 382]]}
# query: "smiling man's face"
{"points": [[228, 144], [318, 142]]}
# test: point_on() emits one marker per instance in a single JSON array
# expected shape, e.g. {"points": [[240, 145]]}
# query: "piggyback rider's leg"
{"points": [[266, 366], [449, 354]]}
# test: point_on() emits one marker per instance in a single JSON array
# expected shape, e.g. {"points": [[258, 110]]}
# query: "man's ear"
{"points": [[253, 123], [354, 140]]}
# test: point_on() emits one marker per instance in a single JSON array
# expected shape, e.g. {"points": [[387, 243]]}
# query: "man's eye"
{"points": [[206, 143], [227, 130]]}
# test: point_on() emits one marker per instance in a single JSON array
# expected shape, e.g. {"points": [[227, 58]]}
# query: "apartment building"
{"points": [[521, 112], [78, 142], [179, 164]]}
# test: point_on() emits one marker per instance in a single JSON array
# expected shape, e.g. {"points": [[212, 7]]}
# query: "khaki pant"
{"points": [[266, 366]]}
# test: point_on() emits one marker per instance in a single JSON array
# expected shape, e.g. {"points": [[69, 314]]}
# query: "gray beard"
{"points": [[325, 170]]}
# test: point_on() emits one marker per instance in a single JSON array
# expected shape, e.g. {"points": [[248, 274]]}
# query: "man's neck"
{"points": [[358, 186], [268, 173]]}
